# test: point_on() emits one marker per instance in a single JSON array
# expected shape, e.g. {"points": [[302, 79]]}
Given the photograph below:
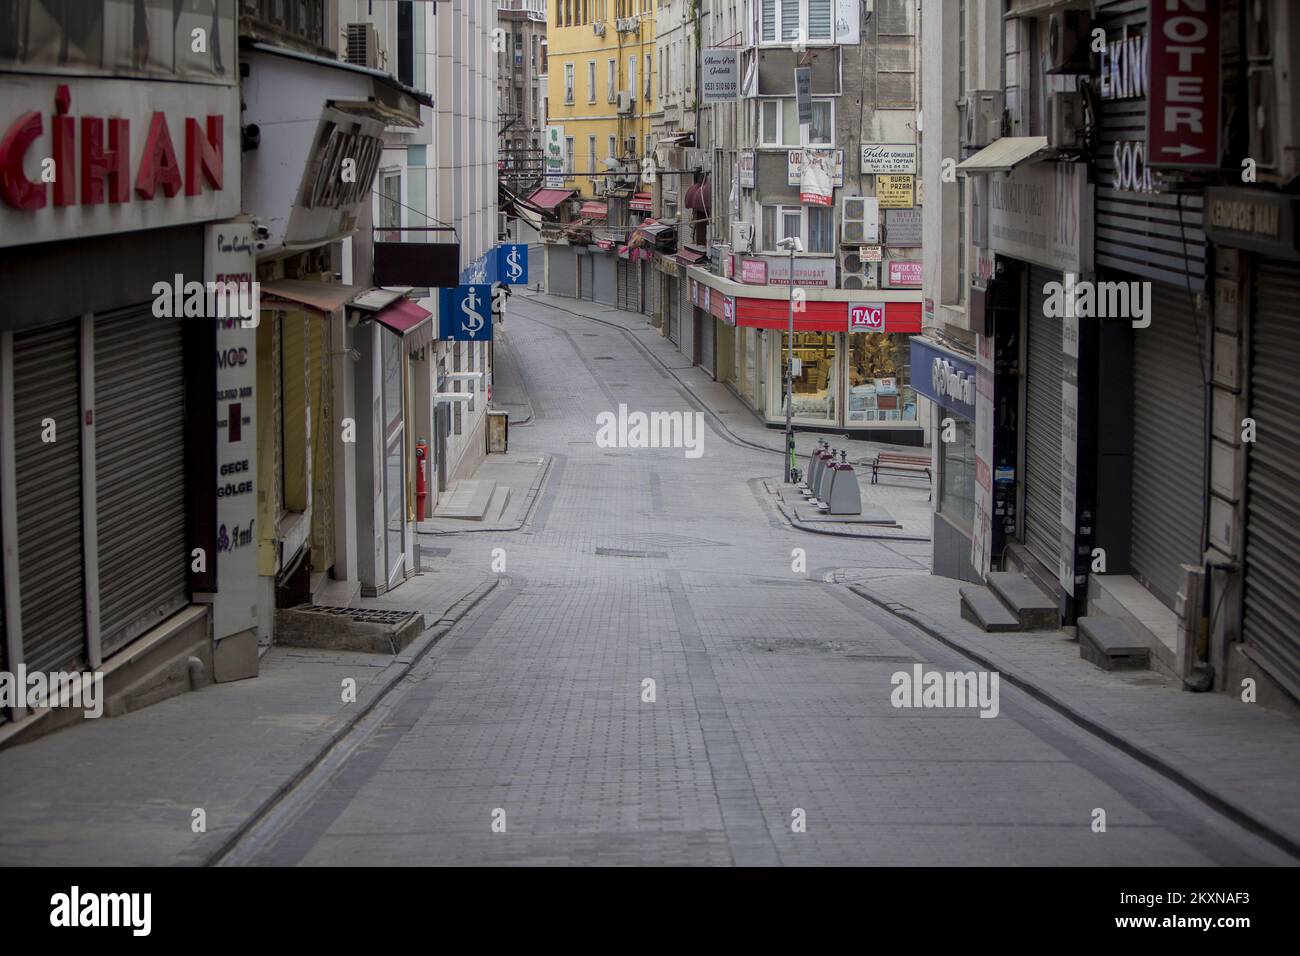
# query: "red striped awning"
{"points": [[594, 210], [690, 256], [641, 202], [548, 198], [775, 314]]}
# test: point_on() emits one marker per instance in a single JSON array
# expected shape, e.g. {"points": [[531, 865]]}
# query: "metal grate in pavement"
{"points": [[368, 615], [627, 553]]}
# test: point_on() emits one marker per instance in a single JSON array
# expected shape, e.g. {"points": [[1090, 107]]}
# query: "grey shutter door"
{"points": [[674, 316], [587, 277], [605, 291], [633, 286], [1168, 444], [1271, 617], [51, 583], [140, 474], [621, 268], [562, 271], [709, 325], [1042, 518]]}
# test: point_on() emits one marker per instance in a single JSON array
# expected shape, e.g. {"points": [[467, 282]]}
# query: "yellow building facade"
{"points": [[601, 84]]}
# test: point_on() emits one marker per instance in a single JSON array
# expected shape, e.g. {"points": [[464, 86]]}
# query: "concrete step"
{"points": [[981, 606], [468, 499], [1035, 610], [497, 507], [1108, 643]]}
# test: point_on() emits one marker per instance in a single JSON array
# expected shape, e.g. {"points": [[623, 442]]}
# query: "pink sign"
{"points": [[904, 272], [867, 318], [753, 271]]}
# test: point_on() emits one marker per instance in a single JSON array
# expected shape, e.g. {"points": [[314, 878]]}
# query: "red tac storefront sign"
{"points": [[1183, 100]]}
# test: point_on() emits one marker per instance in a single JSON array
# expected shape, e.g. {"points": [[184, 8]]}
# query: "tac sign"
{"points": [[512, 264], [466, 315], [866, 318]]}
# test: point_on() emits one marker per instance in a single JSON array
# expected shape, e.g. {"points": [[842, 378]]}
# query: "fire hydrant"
{"points": [[421, 488]]}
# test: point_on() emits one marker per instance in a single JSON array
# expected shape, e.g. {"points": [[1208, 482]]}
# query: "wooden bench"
{"points": [[892, 462]]}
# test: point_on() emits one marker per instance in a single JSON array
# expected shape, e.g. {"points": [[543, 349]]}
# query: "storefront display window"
{"points": [[957, 473], [815, 383], [879, 372]]}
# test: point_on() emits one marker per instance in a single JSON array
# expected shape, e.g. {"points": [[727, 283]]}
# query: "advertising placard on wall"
{"points": [[807, 271], [795, 160], [894, 192], [888, 159], [746, 163], [905, 273], [719, 74], [553, 157], [1036, 214], [902, 227]]}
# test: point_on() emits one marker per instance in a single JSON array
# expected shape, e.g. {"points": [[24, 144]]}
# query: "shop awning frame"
{"points": [[1005, 154], [411, 322], [320, 297]]}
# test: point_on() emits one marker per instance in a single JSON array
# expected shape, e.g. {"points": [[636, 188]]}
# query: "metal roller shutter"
{"points": [[674, 315], [686, 318], [322, 442], [622, 268], [708, 324], [587, 277], [1168, 444], [140, 474], [603, 277], [562, 274], [633, 286], [1271, 618], [1042, 517], [51, 587]]}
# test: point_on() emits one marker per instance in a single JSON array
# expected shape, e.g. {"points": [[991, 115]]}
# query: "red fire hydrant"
{"points": [[421, 490]]}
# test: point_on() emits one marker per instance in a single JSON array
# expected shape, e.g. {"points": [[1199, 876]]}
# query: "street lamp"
{"points": [[793, 244]]}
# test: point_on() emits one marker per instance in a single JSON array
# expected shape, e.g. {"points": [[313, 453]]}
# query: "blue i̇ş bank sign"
{"points": [[512, 263], [465, 313], [943, 377]]}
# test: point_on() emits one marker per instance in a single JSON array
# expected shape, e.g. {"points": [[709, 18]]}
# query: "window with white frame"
{"points": [[568, 83], [784, 21], [613, 147], [648, 71], [613, 66], [814, 225], [568, 156], [779, 123], [631, 76], [591, 81], [591, 154]]}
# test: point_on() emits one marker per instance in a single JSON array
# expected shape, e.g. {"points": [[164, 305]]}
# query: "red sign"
{"points": [[1183, 101], [867, 318], [753, 271]]}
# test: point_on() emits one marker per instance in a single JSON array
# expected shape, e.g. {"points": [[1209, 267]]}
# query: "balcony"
{"points": [[532, 9]]}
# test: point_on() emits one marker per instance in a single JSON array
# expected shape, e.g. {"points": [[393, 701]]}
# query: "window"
{"points": [[568, 83], [648, 71], [957, 474], [568, 156], [631, 76], [390, 212], [631, 147], [613, 147], [613, 66], [591, 154], [811, 19], [814, 225], [591, 81], [780, 123], [880, 387]]}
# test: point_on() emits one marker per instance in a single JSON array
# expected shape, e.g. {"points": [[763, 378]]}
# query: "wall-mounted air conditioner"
{"points": [[1067, 42], [983, 118], [627, 24], [1065, 123], [693, 158], [363, 46], [598, 186], [854, 272], [1272, 42], [598, 28], [742, 236], [624, 101], [860, 224]]}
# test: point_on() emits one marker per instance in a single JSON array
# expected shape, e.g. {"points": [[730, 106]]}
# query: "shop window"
{"points": [[880, 388], [814, 383], [957, 473]]}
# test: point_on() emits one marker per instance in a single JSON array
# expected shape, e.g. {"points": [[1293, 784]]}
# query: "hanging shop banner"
{"points": [[229, 257], [512, 263], [803, 93], [886, 159], [1036, 213], [465, 314], [746, 162], [903, 227], [728, 310], [895, 192], [719, 74], [904, 273], [796, 158], [816, 177], [1183, 104], [553, 157]]}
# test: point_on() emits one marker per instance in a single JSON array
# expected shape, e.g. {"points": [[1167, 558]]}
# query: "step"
{"points": [[981, 606], [1035, 610], [468, 499], [497, 507], [1108, 643]]}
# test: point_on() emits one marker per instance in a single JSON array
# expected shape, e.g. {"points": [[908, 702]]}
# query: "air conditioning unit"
{"points": [[694, 158], [598, 28], [855, 273], [1272, 41], [1065, 127], [624, 101], [363, 46], [983, 118], [860, 224], [627, 24], [742, 236], [598, 186], [1067, 42]]}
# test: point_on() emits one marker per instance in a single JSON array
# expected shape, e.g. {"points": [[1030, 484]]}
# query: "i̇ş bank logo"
{"points": [[473, 323], [513, 269]]}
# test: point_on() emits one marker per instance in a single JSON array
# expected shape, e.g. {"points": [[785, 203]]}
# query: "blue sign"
{"points": [[944, 377], [512, 264], [465, 314]]}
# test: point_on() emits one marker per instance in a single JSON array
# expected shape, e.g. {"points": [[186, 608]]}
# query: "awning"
{"points": [[642, 202], [548, 198], [319, 296], [689, 256], [677, 139], [1006, 154], [413, 323], [697, 197], [594, 210]]}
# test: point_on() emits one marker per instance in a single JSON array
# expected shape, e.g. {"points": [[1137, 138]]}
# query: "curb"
{"points": [[533, 494], [795, 522], [397, 669], [1237, 814]]}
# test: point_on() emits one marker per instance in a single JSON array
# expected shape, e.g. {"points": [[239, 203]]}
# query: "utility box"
{"points": [[498, 431]]}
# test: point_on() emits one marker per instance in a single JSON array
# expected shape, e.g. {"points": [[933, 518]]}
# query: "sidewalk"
{"points": [[122, 791], [1241, 758], [905, 500]]}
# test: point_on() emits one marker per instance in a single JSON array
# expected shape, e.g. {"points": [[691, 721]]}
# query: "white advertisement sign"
{"points": [[807, 272], [878, 158], [795, 162], [229, 257], [848, 14], [719, 74], [553, 157], [1036, 213], [747, 163]]}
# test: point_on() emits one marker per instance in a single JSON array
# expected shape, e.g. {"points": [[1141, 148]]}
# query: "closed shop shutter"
{"points": [[1168, 444], [587, 277], [140, 473], [708, 326], [51, 583], [624, 280], [1271, 619], [1042, 518], [603, 264], [633, 286], [322, 434], [686, 311], [670, 306], [562, 277]]}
